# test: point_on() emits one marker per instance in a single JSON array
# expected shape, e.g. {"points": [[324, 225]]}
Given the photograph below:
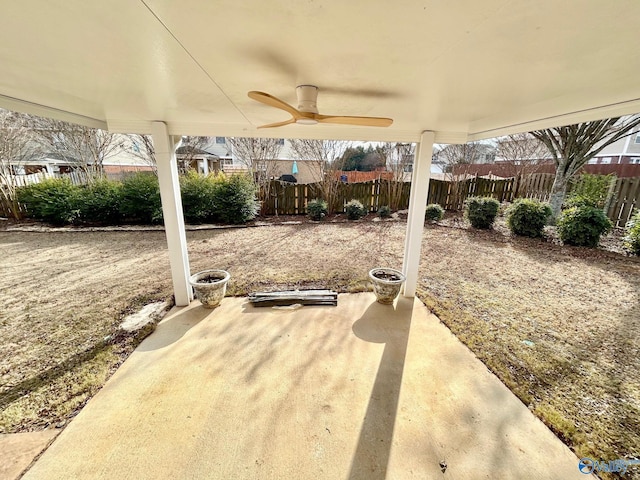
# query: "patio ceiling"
{"points": [[465, 70]]}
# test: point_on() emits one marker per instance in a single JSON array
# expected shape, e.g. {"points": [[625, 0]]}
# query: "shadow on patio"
{"points": [[357, 391], [382, 324]]}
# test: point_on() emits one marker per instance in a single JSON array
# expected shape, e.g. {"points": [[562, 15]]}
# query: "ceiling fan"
{"points": [[307, 111]]}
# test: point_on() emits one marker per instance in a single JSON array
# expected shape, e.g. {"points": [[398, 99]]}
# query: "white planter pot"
{"points": [[210, 286], [387, 284]]}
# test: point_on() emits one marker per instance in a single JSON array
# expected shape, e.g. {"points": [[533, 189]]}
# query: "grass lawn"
{"points": [[559, 325]]}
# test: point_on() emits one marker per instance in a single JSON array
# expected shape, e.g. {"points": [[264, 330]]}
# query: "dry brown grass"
{"points": [[579, 307], [63, 293]]}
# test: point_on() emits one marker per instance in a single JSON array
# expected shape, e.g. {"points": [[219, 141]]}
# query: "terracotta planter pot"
{"points": [[210, 286], [386, 284]]}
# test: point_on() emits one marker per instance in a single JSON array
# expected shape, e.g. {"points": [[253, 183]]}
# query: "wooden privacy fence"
{"points": [[624, 199], [452, 194], [536, 185], [291, 199]]}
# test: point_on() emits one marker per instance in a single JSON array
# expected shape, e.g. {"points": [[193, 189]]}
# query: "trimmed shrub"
{"points": [[317, 209], [481, 211], [234, 199], [527, 218], [54, 200], [384, 211], [434, 212], [579, 201], [99, 202], [631, 239], [355, 210], [198, 193], [583, 226], [141, 198]]}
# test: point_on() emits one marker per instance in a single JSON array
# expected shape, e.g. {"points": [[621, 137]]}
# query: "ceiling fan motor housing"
{"points": [[307, 98]]}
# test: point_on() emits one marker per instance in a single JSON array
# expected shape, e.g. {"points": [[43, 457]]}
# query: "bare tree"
{"points": [[399, 158], [142, 148], [451, 156], [522, 154], [325, 157], [16, 146], [571, 147], [82, 147], [260, 156]]}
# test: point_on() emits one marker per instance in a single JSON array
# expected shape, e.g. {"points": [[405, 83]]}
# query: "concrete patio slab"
{"points": [[358, 391]]}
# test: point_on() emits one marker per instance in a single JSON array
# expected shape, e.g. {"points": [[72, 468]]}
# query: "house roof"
{"points": [[466, 70], [188, 149]]}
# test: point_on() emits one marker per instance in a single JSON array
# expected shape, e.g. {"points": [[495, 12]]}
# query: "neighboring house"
{"points": [[625, 151], [218, 151], [199, 159], [461, 159], [306, 171], [129, 158], [51, 163], [621, 158], [475, 152], [220, 148], [126, 158]]}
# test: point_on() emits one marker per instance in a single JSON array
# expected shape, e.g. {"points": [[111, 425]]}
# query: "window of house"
{"points": [[637, 140], [592, 161], [221, 140], [605, 160], [635, 160], [281, 141], [226, 161]]}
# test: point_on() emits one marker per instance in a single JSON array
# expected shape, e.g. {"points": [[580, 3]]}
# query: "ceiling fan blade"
{"points": [[363, 121], [273, 102], [278, 124]]}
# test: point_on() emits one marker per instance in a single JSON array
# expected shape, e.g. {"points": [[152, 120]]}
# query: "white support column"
{"points": [[417, 207], [164, 146]]}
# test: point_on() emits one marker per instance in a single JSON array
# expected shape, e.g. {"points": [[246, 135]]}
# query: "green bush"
{"points": [[589, 190], [631, 239], [198, 193], [481, 211], [384, 211], [579, 201], [140, 200], [54, 200], [355, 210], [434, 212], [99, 202], [583, 226], [527, 218], [234, 199], [317, 209]]}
